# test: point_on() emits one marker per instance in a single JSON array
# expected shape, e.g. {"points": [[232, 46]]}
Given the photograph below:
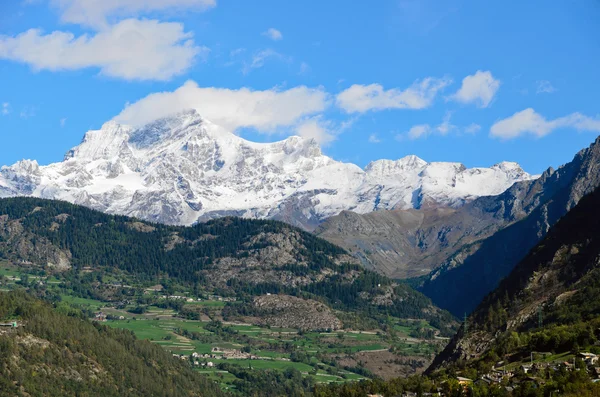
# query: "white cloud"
{"points": [[6, 108], [362, 98], [544, 87], [373, 138], [446, 127], [63, 121], [273, 34], [236, 52], [95, 13], [472, 128], [265, 110], [443, 129], [479, 88], [131, 49], [529, 122], [419, 131], [317, 129]]}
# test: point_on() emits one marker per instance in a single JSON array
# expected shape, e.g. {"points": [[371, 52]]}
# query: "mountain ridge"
{"points": [[533, 208], [184, 169], [558, 278]]}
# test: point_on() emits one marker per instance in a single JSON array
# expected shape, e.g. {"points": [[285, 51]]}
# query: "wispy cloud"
{"points": [[6, 109], [544, 87], [273, 34], [472, 128], [304, 68], [444, 128], [27, 112], [373, 138], [260, 58], [63, 121]]}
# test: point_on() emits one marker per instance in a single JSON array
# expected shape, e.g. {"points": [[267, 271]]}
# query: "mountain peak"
{"points": [[182, 168], [385, 167], [508, 166]]}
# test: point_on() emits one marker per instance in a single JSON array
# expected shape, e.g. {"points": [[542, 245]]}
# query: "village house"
{"points": [[233, 354], [100, 316], [464, 381], [589, 358]]}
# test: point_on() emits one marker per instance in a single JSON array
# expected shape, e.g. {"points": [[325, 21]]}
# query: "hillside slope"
{"points": [[229, 256], [457, 247], [477, 268], [52, 354], [559, 278]]}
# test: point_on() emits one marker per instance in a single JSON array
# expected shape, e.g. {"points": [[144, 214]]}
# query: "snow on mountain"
{"points": [[184, 169]]}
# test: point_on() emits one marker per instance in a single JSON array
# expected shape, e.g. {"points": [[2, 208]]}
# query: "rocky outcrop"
{"points": [[17, 244], [290, 312]]}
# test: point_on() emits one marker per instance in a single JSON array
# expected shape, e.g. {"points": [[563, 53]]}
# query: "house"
{"points": [[100, 316], [210, 364], [464, 381], [567, 365], [589, 358], [12, 324]]}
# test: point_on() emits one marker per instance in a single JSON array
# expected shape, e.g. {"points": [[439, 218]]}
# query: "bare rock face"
{"points": [[290, 312], [24, 247], [184, 169], [529, 210]]}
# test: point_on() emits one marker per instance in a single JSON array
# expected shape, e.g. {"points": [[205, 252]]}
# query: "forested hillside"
{"points": [[550, 302], [54, 354], [231, 256]]}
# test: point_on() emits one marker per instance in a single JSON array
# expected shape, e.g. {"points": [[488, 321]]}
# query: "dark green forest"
{"points": [[142, 250]]}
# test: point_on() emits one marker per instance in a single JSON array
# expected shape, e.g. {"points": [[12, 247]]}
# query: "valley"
{"points": [[228, 298], [204, 334], [213, 198]]}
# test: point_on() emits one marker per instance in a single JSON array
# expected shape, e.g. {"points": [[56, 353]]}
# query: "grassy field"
{"points": [[76, 301], [274, 346]]}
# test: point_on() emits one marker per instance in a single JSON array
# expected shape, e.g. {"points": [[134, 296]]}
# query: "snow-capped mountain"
{"points": [[184, 169]]}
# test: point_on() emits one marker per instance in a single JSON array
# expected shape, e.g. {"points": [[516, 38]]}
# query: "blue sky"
{"points": [[469, 81]]}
